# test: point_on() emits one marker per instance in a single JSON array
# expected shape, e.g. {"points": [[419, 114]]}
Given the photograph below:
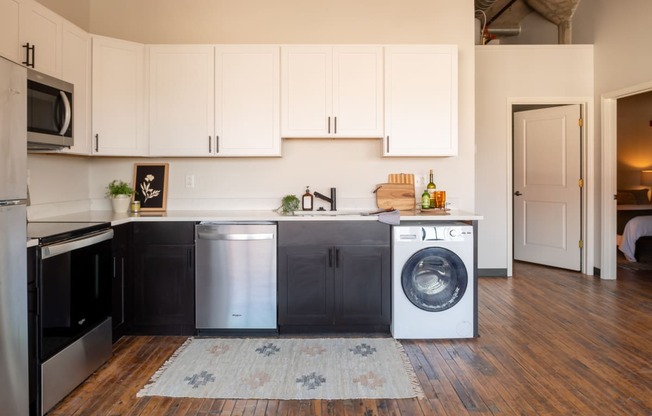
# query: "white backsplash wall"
{"points": [[58, 184], [354, 167]]}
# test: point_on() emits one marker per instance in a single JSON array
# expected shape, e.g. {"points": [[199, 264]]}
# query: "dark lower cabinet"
{"points": [[334, 277], [121, 267], [162, 280]]}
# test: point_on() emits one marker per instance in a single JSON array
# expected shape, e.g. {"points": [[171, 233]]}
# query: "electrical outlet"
{"points": [[190, 181], [420, 180]]}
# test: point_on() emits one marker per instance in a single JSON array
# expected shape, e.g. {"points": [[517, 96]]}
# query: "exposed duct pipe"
{"points": [[559, 12], [502, 32]]}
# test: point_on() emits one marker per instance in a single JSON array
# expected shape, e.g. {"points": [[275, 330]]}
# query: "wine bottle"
{"points": [[431, 189], [306, 201]]}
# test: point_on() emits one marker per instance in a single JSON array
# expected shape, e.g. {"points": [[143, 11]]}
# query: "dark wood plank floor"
{"points": [[552, 342]]}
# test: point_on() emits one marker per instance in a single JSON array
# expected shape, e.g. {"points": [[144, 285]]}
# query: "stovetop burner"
{"points": [[52, 232]]}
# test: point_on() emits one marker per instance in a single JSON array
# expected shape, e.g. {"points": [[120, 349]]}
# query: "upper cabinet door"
{"points": [[307, 91], [420, 100], [332, 91], [358, 91], [9, 30], [76, 52], [118, 98], [247, 100], [181, 107], [41, 28]]}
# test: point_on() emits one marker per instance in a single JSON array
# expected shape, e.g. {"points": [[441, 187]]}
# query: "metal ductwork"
{"points": [[559, 12], [503, 17]]}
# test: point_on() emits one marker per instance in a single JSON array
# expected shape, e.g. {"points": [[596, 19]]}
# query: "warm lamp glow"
{"points": [[646, 177]]}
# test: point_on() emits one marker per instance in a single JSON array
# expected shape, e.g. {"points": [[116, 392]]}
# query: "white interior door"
{"points": [[547, 194]]}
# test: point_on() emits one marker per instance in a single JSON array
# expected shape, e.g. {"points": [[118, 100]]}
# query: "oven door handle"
{"points": [[65, 247]]}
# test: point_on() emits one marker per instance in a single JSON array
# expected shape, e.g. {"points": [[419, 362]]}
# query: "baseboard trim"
{"points": [[492, 273]]}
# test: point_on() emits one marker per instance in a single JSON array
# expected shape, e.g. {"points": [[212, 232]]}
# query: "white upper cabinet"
{"points": [[420, 100], [42, 30], [181, 109], [247, 100], [332, 91], [76, 52], [118, 98], [9, 30], [214, 101]]}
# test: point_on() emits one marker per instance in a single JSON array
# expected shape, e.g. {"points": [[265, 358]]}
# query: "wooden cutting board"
{"points": [[400, 178], [396, 195]]}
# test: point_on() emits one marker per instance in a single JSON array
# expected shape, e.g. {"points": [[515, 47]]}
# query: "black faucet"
{"points": [[331, 200]]}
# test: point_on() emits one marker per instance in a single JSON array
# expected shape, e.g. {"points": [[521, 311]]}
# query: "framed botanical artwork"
{"points": [[151, 186]]}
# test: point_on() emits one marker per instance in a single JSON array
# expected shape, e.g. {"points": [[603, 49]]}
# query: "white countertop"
{"points": [[260, 215]]}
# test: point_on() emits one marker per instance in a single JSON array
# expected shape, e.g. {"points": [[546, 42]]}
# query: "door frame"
{"points": [[587, 161], [609, 152]]}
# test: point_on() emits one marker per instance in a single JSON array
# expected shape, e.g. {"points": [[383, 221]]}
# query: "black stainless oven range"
{"points": [[73, 298]]}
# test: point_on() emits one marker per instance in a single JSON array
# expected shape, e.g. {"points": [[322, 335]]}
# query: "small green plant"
{"points": [[118, 187], [289, 204]]}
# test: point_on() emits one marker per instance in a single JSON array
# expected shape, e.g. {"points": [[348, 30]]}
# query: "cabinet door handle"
{"points": [[387, 144], [335, 125], [329, 125], [29, 48], [337, 258], [217, 144], [97, 143], [210, 144]]}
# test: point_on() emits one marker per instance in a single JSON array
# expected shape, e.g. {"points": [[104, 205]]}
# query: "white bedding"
{"points": [[635, 228]]}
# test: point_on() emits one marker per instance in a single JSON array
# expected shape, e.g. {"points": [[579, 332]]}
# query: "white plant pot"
{"points": [[121, 203]]}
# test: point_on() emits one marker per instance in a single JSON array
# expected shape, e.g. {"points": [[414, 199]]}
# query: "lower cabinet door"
{"points": [[163, 289], [305, 295], [362, 285]]}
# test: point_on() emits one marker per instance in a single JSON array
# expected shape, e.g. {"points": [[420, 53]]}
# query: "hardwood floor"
{"points": [[552, 342]]}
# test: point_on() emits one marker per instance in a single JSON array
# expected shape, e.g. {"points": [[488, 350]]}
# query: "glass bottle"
{"points": [[431, 189], [306, 201], [425, 200]]}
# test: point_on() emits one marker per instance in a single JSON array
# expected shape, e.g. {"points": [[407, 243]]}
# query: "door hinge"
{"points": [[580, 122], [581, 244], [580, 183]]}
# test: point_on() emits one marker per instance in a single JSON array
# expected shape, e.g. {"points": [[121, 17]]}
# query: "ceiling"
{"points": [[503, 17]]}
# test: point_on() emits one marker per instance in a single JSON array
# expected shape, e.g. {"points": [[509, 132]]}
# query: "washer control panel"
{"points": [[433, 233]]}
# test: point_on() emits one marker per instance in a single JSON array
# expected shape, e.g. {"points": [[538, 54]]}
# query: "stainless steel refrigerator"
{"points": [[14, 377]]}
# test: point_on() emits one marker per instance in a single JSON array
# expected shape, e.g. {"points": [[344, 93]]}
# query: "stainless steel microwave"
{"points": [[49, 112]]}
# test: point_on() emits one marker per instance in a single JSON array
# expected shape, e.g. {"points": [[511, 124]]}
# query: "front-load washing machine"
{"points": [[434, 286]]}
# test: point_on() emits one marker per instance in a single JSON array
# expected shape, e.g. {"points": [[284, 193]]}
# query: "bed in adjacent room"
{"points": [[634, 224]]}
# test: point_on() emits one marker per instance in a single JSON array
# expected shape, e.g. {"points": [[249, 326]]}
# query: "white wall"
{"points": [[354, 167], [506, 75]]}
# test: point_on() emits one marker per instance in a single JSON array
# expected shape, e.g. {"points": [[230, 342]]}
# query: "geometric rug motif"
{"points": [[287, 369]]}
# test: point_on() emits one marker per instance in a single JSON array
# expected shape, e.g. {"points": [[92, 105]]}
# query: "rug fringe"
{"points": [[409, 369], [145, 390]]}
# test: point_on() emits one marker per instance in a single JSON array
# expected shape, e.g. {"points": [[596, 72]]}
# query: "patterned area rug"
{"points": [[286, 369]]}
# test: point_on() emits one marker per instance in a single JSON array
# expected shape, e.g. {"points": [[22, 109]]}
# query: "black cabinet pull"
{"points": [[29, 48], [335, 125], [210, 142], [329, 125], [387, 144], [217, 144], [97, 143]]}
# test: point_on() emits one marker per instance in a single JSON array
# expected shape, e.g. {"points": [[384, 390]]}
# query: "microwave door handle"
{"points": [[68, 113]]}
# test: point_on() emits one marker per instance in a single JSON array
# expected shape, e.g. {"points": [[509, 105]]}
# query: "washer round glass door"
{"points": [[434, 279]]}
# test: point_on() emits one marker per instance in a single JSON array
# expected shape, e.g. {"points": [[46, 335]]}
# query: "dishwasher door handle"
{"points": [[207, 235]]}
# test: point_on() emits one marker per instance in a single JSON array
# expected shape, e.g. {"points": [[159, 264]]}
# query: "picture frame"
{"points": [[151, 186]]}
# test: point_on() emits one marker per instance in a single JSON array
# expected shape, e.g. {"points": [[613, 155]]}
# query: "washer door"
{"points": [[434, 279]]}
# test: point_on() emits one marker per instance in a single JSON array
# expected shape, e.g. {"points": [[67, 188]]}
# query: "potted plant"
{"points": [[120, 193], [289, 204]]}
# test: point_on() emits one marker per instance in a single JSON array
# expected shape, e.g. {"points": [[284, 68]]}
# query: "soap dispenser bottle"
{"points": [[306, 201]]}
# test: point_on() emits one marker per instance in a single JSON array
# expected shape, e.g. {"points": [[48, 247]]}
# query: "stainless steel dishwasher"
{"points": [[235, 276]]}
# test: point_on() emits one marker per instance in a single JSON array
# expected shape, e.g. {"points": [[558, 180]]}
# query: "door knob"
{"points": [[518, 193]]}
